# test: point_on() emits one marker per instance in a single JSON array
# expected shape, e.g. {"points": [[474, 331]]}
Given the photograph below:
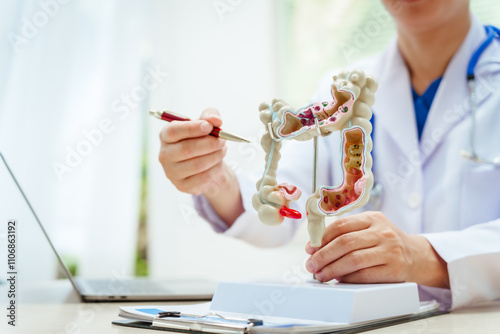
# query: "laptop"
{"points": [[122, 288]]}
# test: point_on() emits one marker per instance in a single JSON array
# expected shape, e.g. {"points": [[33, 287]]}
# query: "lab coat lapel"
{"points": [[451, 103], [393, 108]]}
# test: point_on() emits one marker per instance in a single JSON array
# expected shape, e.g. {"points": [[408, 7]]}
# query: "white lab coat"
{"points": [[429, 188]]}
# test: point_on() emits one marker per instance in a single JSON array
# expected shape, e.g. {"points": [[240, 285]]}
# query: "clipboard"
{"points": [[204, 324], [354, 328]]}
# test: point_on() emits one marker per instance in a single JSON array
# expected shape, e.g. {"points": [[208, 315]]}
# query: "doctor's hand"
{"points": [[193, 162], [368, 248], [190, 157]]}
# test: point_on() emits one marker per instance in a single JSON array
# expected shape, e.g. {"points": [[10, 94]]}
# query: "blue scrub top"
{"points": [[422, 104]]}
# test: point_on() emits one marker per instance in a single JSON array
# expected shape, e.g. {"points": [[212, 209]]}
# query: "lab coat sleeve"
{"points": [[473, 258]]}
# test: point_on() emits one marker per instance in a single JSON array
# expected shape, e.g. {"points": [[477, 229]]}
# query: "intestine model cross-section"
{"points": [[348, 112]]}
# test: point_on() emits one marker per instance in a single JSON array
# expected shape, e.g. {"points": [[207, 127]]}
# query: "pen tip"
{"points": [[155, 113]]}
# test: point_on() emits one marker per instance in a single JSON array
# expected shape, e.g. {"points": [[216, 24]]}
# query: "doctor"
{"points": [[439, 220]]}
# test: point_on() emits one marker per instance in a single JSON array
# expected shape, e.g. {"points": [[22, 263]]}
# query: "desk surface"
{"points": [[54, 308]]}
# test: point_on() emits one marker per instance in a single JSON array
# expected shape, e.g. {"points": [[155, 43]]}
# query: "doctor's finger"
{"points": [[213, 116], [192, 148], [199, 164], [176, 131], [339, 248], [352, 262], [200, 182], [339, 227], [376, 274]]}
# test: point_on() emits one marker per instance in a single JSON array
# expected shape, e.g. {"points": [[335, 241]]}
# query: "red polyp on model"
{"points": [[290, 213]]}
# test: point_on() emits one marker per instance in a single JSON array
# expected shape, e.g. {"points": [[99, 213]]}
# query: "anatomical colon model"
{"points": [[349, 112]]}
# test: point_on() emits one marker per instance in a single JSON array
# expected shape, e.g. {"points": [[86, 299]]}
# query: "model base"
{"points": [[311, 300]]}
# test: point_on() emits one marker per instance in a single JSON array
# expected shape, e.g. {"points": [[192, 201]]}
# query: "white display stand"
{"points": [[311, 300]]}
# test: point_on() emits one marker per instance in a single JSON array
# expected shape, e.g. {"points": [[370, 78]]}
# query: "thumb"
{"points": [[212, 115]]}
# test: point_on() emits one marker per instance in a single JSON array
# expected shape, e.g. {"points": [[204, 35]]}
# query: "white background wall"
{"points": [[59, 84]]}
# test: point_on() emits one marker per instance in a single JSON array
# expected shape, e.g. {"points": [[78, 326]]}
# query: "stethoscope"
{"points": [[377, 191]]}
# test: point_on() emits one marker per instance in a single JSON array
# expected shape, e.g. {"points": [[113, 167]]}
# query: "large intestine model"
{"points": [[349, 112]]}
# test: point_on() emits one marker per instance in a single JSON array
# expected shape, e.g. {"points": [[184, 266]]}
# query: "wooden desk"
{"points": [[53, 308]]}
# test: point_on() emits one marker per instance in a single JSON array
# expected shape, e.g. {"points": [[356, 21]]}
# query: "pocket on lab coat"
{"points": [[480, 195]]}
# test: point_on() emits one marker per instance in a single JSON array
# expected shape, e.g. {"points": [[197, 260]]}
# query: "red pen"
{"points": [[216, 132]]}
